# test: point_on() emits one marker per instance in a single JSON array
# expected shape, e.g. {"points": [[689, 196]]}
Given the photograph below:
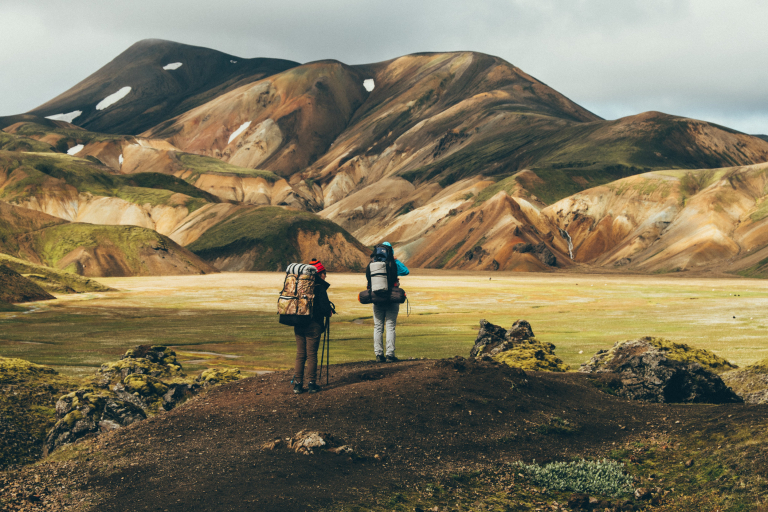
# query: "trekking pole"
{"points": [[328, 361], [322, 357]]}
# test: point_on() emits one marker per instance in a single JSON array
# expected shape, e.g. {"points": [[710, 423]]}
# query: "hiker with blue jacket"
{"points": [[384, 313]]}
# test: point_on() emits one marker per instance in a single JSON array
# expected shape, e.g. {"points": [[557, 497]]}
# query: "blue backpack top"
{"points": [[383, 253]]}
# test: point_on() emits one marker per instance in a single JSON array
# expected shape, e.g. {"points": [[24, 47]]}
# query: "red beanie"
{"points": [[318, 265]]}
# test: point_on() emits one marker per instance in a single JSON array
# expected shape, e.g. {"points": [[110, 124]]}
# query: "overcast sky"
{"points": [[698, 58]]}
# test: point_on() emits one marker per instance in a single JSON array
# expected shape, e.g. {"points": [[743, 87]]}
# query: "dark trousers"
{"points": [[307, 343]]}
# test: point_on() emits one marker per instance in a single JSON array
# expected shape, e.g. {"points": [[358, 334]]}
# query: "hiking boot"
{"points": [[380, 358], [391, 358], [312, 387], [297, 388]]}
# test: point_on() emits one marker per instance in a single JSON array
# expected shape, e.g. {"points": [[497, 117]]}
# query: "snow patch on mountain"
{"points": [[75, 149], [240, 130], [368, 84], [172, 65], [113, 98], [67, 118]]}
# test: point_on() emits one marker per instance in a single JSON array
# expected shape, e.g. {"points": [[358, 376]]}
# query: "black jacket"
{"points": [[322, 304]]}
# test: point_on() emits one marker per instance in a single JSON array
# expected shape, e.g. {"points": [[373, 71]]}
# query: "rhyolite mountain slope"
{"points": [[120, 222], [672, 221], [453, 157], [165, 79]]}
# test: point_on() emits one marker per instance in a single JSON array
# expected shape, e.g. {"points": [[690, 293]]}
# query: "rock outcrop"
{"points": [[539, 250], [152, 360], [750, 382], [126, 391], [516, 347], [648, 369], [86, 411]]}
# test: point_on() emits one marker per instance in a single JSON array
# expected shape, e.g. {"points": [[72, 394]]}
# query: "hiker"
{"points": [[385, 313], [308, 335]]}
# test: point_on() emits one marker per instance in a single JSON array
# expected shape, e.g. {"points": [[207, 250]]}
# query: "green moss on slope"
{"points": [[53, 280], [90, 177], [199, 164], [53, 244], [10, 142], [270, 232], [28, 411]]}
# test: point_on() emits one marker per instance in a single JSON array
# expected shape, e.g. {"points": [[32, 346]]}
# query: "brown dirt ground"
{"points": [[424, 418]]}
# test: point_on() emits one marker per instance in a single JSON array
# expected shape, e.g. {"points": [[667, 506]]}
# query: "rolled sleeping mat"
{"points": [[379, 283]]}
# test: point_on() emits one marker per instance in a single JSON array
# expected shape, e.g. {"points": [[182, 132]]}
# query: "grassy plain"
{"points": [[229, 319]]}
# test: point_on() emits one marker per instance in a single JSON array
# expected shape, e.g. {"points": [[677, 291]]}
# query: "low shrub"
{"points": [[603, 478]]}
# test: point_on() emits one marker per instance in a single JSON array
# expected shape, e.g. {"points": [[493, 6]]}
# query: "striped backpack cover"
{"points": [[296, 302]]}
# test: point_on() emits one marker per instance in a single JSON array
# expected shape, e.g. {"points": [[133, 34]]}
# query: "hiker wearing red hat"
{"points": [[308, 335]]}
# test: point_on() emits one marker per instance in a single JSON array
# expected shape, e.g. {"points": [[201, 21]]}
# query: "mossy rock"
{"points": [[750, 382], [89, 410], [213, 376], [145, 385], [680, 352], [532, 355], [119, 370], [28, 395], [156, 353], [19, 371]]}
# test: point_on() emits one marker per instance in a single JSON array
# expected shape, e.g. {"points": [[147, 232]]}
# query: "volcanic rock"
{"points": [[516, 347], [750, 382], [156, 361], [647, 371], [540, 250], [87, 411]]}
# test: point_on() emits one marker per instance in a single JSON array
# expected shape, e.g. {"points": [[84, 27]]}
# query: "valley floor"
{"points": [[229, 319]]}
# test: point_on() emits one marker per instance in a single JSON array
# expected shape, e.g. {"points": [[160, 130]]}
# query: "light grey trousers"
{"points": [[384, 314]]}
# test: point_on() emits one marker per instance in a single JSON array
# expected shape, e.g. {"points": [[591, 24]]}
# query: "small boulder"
{"points": [[650, 370], [308, 442]]}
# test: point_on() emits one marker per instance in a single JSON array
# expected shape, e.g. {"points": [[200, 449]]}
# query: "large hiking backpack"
{"points": [[296, 303]]}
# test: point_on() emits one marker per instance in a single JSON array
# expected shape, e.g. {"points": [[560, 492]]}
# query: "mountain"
{"points": [[462, 160], [282, 123], [152, 81], [672, 220]]}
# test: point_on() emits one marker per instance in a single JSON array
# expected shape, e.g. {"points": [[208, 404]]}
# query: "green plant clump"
{"points": [[603, 478]]}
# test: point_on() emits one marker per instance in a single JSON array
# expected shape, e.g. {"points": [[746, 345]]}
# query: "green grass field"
{"points": [[229, 319]]}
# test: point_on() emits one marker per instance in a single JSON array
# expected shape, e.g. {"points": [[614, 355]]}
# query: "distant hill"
{"points": [[15, 288], [270, 238], [159, 89]]}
